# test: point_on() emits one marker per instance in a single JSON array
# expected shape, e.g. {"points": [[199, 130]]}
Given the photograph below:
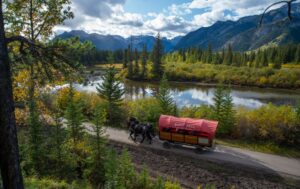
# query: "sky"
{"points": [[148, 17]]}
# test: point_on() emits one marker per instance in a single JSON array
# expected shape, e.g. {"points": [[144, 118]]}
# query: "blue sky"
{"points": [[145, 6], [148, 17]]}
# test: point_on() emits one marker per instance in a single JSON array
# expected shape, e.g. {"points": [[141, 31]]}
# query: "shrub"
{"points": [[269, 122], [146, 109], [263, 77], [33, 183], [201, 112]]}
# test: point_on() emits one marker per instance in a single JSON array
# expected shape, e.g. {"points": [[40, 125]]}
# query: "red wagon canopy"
{"points": [[203, 126]]}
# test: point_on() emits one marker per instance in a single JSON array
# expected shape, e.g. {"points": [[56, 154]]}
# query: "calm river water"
{"points": [[192, 94]]}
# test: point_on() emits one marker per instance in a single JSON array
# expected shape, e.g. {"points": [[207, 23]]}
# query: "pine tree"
{"points": [[35, 139], [144, 61], [209, 54], [164, 96], [136, 63], [223, 55], [223, 110], [130, 66], [96, 171], [75, 118], [258, 58], [277, 62], [126, 171], [229, 113], [111, 166], [157, 53], [218, 102], [111, 58], [125, 58], [264, 60], [59, 138], [111, 91], [297, 55], [228, 56]]}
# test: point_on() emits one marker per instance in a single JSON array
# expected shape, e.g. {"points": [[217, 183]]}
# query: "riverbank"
{"points": [[200, 84], [211, 74]]}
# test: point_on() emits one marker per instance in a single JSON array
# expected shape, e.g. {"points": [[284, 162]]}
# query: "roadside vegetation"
{"points": [[62, 150]]}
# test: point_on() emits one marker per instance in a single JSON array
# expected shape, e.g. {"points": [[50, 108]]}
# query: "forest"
{"points": [[274, 67], [44, 140]]}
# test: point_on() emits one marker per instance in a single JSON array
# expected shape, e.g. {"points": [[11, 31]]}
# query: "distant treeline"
{"points": [[94, 56], [276, 56]]}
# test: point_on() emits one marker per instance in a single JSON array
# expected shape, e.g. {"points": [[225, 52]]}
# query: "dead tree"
{"points": [[289, 11]]}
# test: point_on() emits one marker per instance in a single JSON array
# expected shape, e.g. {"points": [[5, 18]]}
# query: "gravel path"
{"points": [[278, 165]]}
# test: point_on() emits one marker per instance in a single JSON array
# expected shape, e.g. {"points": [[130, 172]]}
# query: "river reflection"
{"points": [[192, 95]]}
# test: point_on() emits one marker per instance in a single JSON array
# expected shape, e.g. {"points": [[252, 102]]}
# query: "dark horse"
{"points": [[136, 128]]}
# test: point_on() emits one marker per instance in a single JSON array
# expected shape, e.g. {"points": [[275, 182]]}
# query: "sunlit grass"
{"points": [[291, 66], [116, 65], [265, 147]]}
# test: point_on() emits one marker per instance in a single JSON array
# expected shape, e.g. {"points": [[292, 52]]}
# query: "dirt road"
{"points": [[274, 164]]}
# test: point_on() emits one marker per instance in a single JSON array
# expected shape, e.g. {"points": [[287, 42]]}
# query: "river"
{"points": [[186, 94]]}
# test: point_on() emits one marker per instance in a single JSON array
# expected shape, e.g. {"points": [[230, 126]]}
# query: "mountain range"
{"points": [[115, 42], [243, 35]]}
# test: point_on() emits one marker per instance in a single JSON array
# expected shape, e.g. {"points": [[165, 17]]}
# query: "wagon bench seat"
{"points": [[186, 130]]}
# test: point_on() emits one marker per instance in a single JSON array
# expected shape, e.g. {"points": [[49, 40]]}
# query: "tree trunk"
{"points": [[9, 152]]}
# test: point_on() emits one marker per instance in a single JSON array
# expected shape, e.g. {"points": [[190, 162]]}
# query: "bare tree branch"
{"points": [[288, 2]]}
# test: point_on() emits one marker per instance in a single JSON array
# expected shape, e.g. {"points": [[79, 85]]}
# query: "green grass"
{"points": [[265, 147], [47, 183]]}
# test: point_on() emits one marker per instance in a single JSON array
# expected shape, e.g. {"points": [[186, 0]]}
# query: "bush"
{"points": [[272, 123], [269, 123], [34, 183], [208, 73], [200, 112], [146, 109]]}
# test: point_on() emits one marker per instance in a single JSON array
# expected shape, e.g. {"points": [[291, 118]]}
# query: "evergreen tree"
{"points": [[223, 55], [223, 110], [126, 171], [228, 121], [277, 62], [218, 102], [157, 53], [164, 96], [258, 58], [111, 91], [96, 171], [125, 58], [136, 65], [130, 66], [75, 118], [297, 55], [228, 56], [264, 60], [209, 54], [111, 166], [110, 58], [144, 61], [59, 139], [35, 139], [244, 59]]}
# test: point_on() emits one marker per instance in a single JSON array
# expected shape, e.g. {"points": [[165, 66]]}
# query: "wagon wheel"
{"points": [[199, 149], [167, 145]]}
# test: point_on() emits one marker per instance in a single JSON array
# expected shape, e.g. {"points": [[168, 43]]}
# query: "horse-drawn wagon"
{"points": [[198, 132]]}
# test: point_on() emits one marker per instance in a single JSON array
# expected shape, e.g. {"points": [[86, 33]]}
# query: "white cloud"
{"points": [[109, 16]]}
